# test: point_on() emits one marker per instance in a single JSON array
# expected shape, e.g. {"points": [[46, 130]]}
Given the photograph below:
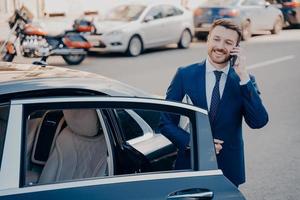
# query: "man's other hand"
{"points": [[218, 145]]}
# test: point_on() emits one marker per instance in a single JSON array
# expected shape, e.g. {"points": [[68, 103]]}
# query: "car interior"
{"points": [[72, 144], [65, 145]]}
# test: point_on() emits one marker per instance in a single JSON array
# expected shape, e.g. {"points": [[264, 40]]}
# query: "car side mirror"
{"points": [[267, 4], [148, 18]]}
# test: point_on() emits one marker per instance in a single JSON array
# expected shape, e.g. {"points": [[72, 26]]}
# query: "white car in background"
{"points": [[132, 28]]}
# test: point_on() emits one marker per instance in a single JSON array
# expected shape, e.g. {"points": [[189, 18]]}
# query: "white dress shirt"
{"points": [[210, 80]]}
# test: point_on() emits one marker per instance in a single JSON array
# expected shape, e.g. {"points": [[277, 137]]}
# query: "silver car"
{"points": [[254, 16], [132, 28]]}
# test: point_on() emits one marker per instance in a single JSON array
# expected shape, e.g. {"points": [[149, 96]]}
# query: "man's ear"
{"points": [[208, 36]]}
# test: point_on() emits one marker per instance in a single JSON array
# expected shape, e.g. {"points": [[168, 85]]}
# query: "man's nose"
{"points": [[221, 45]]}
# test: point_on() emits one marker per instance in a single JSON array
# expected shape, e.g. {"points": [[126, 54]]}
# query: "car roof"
{"points": [[17, 78]]}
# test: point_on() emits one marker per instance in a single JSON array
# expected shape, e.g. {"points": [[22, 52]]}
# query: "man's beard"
{"points": [[224, 61]]}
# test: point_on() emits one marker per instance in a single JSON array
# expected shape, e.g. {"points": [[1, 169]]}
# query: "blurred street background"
{"points": [[272, 154]]}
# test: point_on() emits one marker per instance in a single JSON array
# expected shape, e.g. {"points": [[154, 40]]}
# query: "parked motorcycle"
{"points": [[84, 26], [34, 42], [85, 23]]}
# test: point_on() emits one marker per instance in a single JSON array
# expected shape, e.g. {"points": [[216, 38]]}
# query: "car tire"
{"points": [[73, 59], [135, 46], [246, 30], [185, 40], [277, 26]]}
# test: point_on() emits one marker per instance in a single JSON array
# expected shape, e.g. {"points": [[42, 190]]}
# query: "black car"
{"points": [[66, 134]]}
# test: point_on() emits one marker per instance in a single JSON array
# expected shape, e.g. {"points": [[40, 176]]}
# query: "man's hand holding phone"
{"points": [[238, 63]]}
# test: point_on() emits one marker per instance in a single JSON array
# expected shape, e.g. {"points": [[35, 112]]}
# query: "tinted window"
{"points": [[4, 111], [130, 128]]}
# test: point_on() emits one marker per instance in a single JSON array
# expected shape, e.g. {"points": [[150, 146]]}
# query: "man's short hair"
{"points": [[229, 24]]}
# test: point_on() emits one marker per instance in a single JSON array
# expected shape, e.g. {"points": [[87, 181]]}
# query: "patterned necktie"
{"points": [[215, 97]]}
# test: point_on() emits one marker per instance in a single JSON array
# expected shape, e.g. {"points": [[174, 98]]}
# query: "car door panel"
{"points": [[254, 11], [173, 24], [152, 186], [267, 16], [153, 30], [204, 179], [270, 15]]}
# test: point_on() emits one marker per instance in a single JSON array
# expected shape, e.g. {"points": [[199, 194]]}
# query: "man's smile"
{"points": [[219, 52]]}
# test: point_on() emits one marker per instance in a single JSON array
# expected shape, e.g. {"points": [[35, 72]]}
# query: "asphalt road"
{"points": [[272, 154]]}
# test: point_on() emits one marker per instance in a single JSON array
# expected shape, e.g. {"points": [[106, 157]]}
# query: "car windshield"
{"points": [[218, 2], [125, 13]]}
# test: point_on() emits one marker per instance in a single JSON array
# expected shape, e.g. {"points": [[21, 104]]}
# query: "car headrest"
{"points": [[50, 126], [82, 122]]}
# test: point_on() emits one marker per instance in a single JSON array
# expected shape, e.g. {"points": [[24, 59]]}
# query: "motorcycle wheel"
{"points": [[73, 59], [8, 57]]}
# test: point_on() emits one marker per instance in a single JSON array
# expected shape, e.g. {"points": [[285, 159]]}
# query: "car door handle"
{"points": [[195, 193]]}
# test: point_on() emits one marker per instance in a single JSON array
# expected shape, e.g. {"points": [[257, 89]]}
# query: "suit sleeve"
{"points": [[169, 122], [254, 111]]}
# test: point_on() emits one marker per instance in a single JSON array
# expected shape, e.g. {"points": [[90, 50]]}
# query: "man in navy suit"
{"points": [[229, 94]]}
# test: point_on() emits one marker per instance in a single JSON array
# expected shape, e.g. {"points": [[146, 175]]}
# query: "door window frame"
{"points": [[20, 108]]}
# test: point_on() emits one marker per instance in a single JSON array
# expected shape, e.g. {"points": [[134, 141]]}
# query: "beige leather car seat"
{"points": [[79, 151]]}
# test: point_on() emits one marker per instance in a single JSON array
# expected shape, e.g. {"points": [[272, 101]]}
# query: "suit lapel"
{"points": [[201, 95]]}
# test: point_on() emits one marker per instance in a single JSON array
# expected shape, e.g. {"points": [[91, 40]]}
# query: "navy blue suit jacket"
{"points": [[237, 102]]}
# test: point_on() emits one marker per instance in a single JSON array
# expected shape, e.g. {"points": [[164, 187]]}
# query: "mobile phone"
{"points": [[232, 60]]}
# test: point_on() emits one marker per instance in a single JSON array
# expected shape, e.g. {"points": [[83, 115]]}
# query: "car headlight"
{"points": [[115, 33]]}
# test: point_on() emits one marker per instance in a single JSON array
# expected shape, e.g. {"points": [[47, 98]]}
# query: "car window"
{"points": [[153, 145], [261, 2], [125, 13], [129, 125], [80, 143], [274, 1], [155, 12], [253, 2], [64, 145], [170, 11], [4, 111], [218, 2]]}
